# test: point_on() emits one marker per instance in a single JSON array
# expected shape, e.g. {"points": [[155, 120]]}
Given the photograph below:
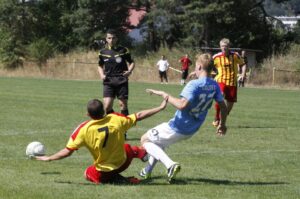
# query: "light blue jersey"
{"points": [[200, 94]]}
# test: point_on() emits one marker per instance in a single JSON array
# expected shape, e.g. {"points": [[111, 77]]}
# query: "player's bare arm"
{"points": [[59, 155], [147, 113], [101, 73], [157, 92], [129, 71], [244, 68], [178, 103]]}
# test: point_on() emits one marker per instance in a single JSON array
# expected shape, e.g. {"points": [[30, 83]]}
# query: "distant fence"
{"points": [[295, 74], [88, 69]]}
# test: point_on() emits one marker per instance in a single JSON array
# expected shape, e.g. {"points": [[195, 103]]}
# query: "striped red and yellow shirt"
{"points": [[104, 139], [227, 67]]}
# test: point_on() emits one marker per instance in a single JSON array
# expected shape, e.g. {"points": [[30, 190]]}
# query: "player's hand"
{"points": [[164, 103], [103, 77], [156, 92], [43, 158], [221, 130], [192, 75], [127, 73], [243, 78]]}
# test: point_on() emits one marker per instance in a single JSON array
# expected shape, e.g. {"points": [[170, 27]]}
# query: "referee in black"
{"points": [[115, 66]]}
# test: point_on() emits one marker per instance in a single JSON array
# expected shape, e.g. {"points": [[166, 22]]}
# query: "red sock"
{"points": [[133, 180], [217, 115], [139, 152]]}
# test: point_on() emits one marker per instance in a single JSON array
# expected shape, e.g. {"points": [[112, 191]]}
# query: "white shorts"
{"points": [[163, 135]]}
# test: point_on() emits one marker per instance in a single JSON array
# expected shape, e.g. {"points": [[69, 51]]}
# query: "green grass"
{"points": [[258, 158]]}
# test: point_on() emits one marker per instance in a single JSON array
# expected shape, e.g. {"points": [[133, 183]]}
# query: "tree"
{"points": [[67, 24], [197, 23], [93, 17]]}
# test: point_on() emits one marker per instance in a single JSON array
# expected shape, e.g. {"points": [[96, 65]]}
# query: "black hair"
{"points": [[95, 109], [111, 31]]}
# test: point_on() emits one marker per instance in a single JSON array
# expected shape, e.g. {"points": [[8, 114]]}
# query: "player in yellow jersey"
{"points": [[103, 136], [226, 64]]}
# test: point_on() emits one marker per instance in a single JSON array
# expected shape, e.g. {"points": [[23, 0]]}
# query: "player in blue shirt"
{"points": [[195, 100]]}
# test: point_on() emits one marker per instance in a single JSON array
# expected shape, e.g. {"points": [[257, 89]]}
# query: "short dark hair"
{"points": [[111, 31], [95, 109]]}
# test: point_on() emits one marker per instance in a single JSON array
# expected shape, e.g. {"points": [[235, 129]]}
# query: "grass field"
{"points": [[258, 158]]}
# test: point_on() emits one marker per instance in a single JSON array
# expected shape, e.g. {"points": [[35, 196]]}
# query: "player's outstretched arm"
{"points": [[157, 92], [59, 155], [179, 103], [149, 112]]}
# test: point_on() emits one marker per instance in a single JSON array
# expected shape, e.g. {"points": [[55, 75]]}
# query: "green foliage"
{"points": [[41, 50], [197, 23], [66, 24], [92, 18], [297, 33], [69, 25], [282, 7], [10, 50]]}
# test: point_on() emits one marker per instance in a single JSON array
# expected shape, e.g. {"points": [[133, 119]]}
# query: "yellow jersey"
{"points": [[227, 67], [105, 139]]}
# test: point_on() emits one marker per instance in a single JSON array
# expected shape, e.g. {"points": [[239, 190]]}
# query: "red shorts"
{"points": [[95, 176], [229, 92]]}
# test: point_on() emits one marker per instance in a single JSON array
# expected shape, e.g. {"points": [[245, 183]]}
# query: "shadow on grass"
{"points": [[180, 181], [231, 182], [195, 181], [132, 139], [257, 127], [74, 183], [51, 173]]}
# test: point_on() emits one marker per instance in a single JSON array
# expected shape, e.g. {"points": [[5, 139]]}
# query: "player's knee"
{"points": [[123, 104], [144, 139]]}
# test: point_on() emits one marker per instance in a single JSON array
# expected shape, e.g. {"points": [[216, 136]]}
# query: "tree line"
{"points": [[36, 29]]}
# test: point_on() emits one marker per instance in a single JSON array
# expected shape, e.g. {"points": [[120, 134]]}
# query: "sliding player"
{"points": [[192, 107]]}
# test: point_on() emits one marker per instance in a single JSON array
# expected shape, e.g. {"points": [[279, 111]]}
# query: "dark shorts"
{"points": [[229, 92], [184, 74], [163, 74], [116, 87], [95, 176]]}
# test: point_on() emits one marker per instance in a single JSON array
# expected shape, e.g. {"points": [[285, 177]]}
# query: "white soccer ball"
{"points": [[35, 149]]}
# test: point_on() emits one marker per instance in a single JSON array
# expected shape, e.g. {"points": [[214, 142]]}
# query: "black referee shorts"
{"points": [[120, 91]]}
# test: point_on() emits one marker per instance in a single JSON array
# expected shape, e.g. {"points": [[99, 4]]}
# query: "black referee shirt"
{"points": [[114, 60]]}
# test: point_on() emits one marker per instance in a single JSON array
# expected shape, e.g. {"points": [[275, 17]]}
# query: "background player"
{"points": [[226, 64], [163, 67], [185, 64]]}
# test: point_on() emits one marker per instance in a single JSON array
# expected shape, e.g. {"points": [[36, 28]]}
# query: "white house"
{"points": [[288, 22]]}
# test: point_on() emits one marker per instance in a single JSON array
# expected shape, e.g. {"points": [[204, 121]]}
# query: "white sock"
{"points": [[151, 164], [158, 153]]}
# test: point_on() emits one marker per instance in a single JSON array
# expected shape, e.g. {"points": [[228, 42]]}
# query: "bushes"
{"points": [[41, 50], [11, 52]]}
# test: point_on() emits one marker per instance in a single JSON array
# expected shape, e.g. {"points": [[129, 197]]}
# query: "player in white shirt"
{"points": [[163, 67]]}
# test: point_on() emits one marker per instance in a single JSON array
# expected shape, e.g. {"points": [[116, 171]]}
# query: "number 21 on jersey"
{"points": [[205, 102]]}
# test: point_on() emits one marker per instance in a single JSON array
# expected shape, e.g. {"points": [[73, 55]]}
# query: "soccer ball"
{"points": [[35, 149]]}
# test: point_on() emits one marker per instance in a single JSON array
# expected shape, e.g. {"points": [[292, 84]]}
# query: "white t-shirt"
{"points": [[163, 65]]}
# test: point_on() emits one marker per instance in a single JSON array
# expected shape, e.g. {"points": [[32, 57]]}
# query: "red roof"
{"points": [[135, 16]]}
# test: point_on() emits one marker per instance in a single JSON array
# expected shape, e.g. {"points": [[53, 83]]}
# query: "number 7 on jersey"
{"points": [[105, 130]]}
